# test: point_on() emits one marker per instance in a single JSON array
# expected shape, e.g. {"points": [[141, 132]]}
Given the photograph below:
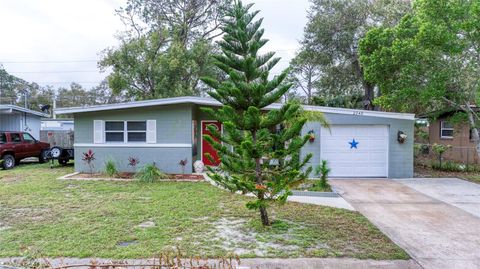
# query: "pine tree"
{"points": [[259, 148]]}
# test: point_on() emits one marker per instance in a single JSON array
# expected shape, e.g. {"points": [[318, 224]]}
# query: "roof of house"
{"points": [[212, 102], [11, 108]]}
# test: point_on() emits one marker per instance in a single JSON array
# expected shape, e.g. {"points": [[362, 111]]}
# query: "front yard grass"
{"points": [[62, 218]]}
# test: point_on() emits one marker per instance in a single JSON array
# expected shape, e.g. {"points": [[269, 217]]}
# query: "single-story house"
{"points": [[442, 130], [165, 131], [15, 118]]}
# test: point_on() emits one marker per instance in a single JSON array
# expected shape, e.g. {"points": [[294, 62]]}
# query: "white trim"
{"points": [[212, 102], [132, 145], [201, 135], [446, 129], [11, 108]]}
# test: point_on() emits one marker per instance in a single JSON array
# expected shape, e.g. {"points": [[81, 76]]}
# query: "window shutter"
{"points": [[151, 131], [98, 131]]}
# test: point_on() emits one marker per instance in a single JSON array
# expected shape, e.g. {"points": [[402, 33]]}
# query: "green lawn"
{"points": [[90, 219]]}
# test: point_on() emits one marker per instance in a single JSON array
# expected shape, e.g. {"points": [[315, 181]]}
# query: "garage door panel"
{"points": [[368, 159]]}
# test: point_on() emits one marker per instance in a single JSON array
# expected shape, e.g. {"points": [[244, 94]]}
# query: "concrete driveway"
{"points": [[435, 233]]}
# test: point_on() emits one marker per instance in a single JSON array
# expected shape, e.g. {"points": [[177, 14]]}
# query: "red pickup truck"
{"points": [[15, 146]]}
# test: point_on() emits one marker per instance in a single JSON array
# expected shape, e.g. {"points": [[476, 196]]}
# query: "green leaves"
{"points": [[425, 60]]}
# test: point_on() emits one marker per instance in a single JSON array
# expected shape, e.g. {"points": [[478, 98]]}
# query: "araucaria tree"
{"points": [[260, 153]]}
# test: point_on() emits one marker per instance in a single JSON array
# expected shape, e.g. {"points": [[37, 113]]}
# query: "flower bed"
{"points": [[129, 176]]}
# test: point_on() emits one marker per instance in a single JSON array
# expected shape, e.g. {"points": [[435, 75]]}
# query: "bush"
{"points": [[150, 173], [450, 166], [323, 171], [110, 168]]}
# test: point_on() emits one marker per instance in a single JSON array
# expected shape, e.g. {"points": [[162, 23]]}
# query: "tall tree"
{"points": [[165, 49], [257, 156], [429, 61], [332, 33], [305, 74], [188, 20]]}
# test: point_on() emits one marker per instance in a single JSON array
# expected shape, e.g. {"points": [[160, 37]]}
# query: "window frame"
{"points": [[125, 131], [19, 136], [442, 128], [33, 140]]}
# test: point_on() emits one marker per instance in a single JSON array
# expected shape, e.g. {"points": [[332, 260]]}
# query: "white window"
{"points": [[125, 131], [446, 129], [114, 131]]}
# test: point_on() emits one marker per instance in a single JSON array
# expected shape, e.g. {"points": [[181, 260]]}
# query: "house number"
{"points": [[357, 113]]}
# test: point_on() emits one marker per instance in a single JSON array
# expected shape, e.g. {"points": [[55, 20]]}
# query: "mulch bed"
{"points": [[128, 176]]}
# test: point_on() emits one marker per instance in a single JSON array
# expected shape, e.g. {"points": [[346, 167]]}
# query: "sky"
{"points": [[56, 42]]}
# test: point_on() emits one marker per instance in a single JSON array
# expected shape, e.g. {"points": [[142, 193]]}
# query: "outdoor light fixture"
{"points": [[401, 137]]}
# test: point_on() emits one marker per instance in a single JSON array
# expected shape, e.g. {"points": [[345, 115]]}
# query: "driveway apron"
{"points": [[434, 233]]}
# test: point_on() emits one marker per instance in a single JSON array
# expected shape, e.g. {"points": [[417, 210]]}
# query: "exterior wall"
{"points": [[10, 122], [400, 155], [174, 127], [32, 125], [18, 122], [463, 149]]}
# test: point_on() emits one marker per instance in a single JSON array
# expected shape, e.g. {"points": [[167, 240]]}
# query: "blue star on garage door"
{"points": [[353, 143]]}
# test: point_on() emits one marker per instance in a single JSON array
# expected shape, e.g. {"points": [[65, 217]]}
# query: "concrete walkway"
{"points": [[434, 233], [261, 263], [457, 192], [337, 202]]}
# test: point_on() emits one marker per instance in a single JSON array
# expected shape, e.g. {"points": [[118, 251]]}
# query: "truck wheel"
{"points": [[43, 156], [8, 161], [63, 161]]}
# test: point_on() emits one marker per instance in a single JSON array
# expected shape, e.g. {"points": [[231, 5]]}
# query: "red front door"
{"points": [[206, 147]]}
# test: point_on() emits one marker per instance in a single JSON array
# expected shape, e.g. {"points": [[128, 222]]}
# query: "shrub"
{"points": [[440, 149], [323, 171], [150, 173], [133, 162], [183, 163], [110, 168], [88, 157]]}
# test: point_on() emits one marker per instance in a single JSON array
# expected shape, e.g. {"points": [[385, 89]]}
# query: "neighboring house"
{"points": [[358, 143], [15, 118], [458, 135]]}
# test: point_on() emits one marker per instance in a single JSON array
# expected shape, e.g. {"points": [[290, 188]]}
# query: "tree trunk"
{"points": [[368, 88], [264, 216], [473, 126], [259, 181], [368, 96]]}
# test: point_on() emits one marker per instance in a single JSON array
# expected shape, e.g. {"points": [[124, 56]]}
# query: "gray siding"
{"points": [[174, 126], [10, 122], [165, 158], [400, 155], [18, 122]]}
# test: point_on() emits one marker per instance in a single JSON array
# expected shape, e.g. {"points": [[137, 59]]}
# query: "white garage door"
{"points": [[355, 150]]}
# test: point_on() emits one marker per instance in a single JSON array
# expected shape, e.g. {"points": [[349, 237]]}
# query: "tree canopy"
{"points": [[428, 61], [165, 49], [331, 38]]}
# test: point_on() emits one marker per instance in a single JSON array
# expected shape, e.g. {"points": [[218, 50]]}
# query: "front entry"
{"points": [[206, 147]]}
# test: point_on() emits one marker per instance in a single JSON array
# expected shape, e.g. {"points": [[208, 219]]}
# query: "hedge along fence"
{"points": [[454, 158]]}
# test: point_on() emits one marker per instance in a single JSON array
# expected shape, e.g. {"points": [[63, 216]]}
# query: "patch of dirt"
{"points": [[237, 238], [11, 178]]}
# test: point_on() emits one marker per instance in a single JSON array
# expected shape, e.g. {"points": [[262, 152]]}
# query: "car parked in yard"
{"points": [[15, 146]]}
